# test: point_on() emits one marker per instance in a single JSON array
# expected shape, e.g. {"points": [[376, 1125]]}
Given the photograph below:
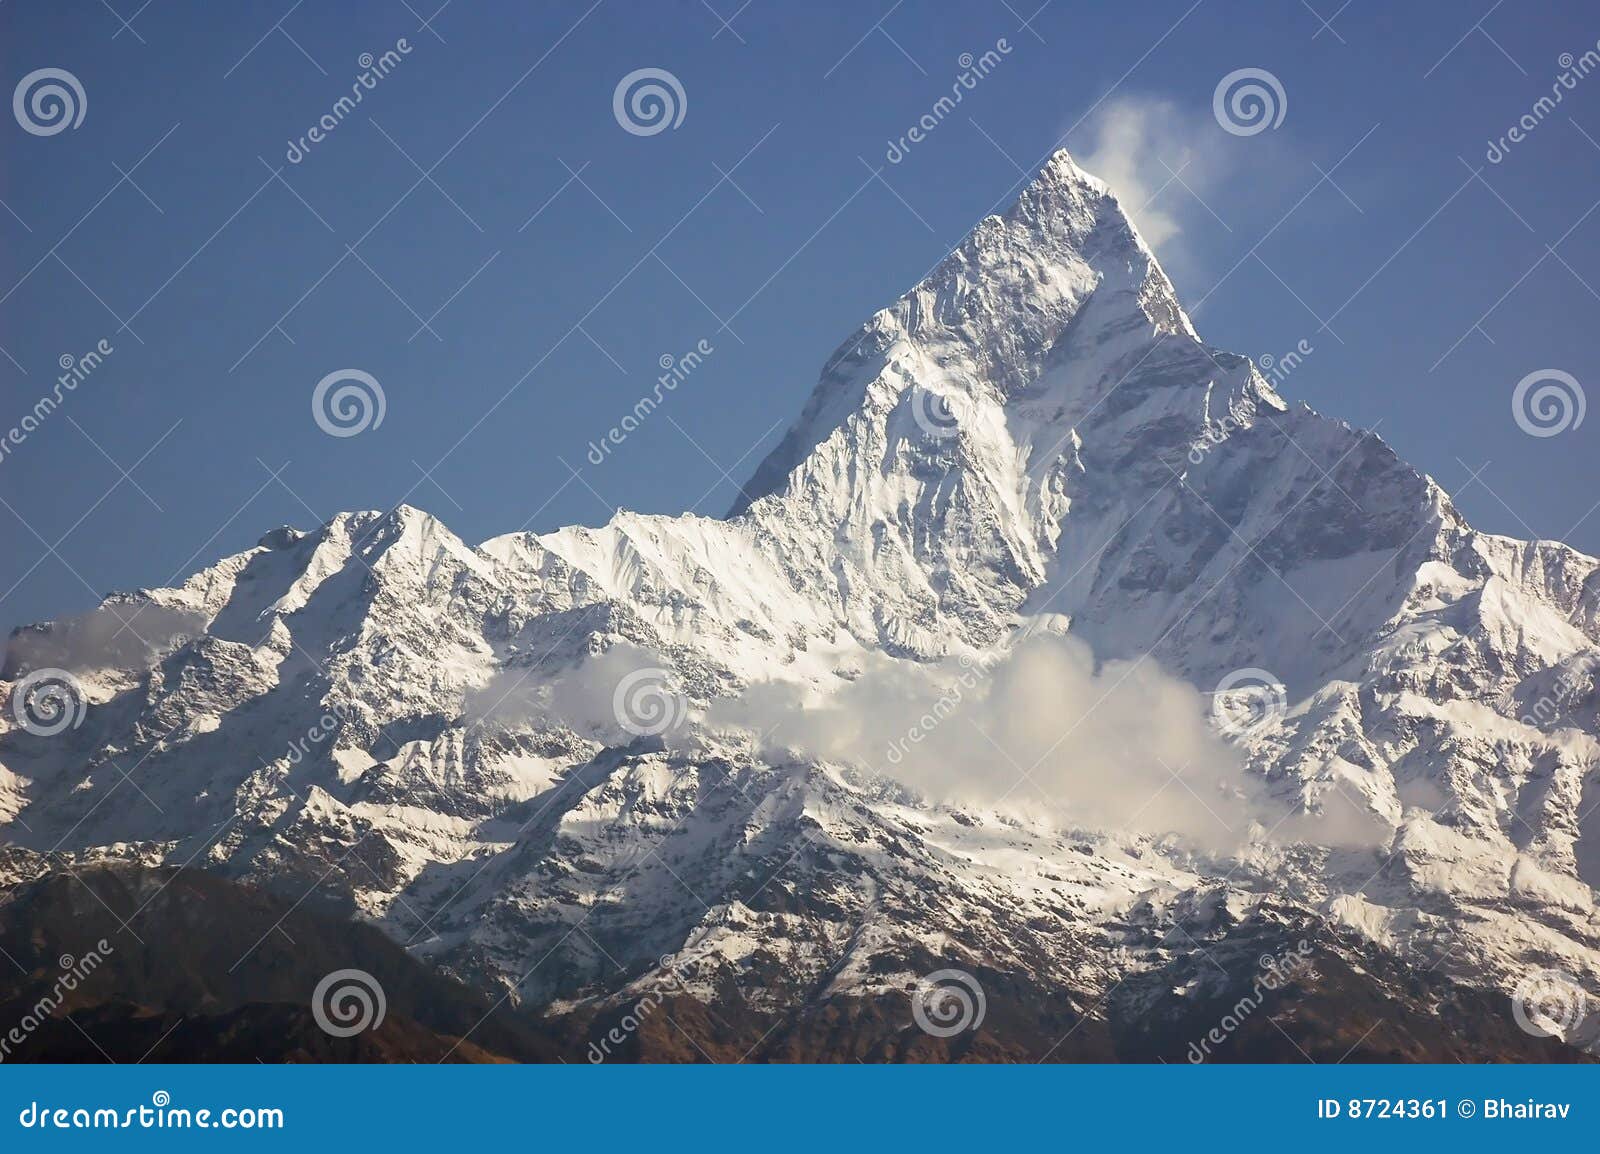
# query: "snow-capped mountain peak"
{"points": [[1034, 437]]}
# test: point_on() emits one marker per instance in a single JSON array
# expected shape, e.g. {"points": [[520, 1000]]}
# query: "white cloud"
{"points": [[1123, 747], [614, 696], [121, 634], [1148, 150]]}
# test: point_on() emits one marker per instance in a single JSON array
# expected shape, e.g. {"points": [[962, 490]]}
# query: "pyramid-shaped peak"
{"points": [[1061, 169]]}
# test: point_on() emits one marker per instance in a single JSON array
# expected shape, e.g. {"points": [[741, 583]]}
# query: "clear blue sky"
{"points": [[1419, 271]]}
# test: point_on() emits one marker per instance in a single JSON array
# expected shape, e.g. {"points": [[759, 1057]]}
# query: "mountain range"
{"points": [[1050, 648]]}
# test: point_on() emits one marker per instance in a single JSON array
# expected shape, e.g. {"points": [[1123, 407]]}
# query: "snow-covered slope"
{"points": [[1035, 437]]}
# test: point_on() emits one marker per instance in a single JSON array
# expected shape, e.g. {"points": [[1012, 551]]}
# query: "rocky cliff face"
{"points": [[378, 717]]}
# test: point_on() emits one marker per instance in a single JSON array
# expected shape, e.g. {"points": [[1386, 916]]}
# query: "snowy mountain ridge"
{"points": [[505, 754]]}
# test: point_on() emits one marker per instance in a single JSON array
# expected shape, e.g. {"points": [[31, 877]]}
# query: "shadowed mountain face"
{"points": [[1328, 1008], [177, 997], [574, 767], [169, 966]]}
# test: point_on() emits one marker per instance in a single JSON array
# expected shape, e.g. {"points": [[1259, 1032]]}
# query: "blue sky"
{"points": [[556, 257]]}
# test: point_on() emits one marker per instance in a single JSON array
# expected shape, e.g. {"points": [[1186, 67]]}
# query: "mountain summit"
{"points": [[543, 762]]}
